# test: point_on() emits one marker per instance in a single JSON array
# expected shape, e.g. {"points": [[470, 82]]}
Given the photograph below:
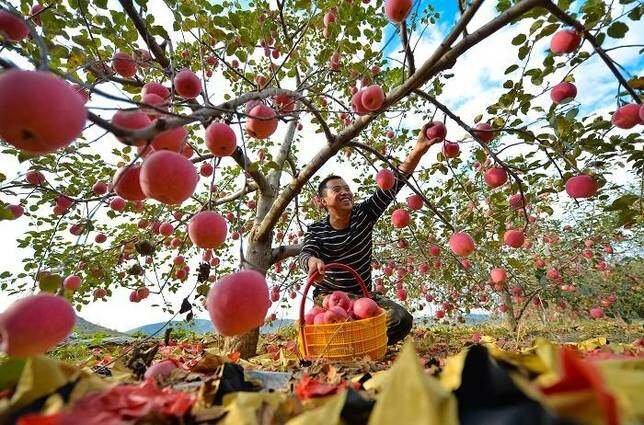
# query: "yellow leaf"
{"points": [[40, 376], [326, 414], [450, 377], [244, 407], [625, 379], [591, 344], [412, 397], [377, 381]]}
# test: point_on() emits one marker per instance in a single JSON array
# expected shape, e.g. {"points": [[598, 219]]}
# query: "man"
{"points": [[345, 236]]}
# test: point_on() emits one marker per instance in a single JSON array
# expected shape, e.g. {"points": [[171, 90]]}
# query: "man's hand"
{"points": [[422, 146], [423, 141], [315, 264]]}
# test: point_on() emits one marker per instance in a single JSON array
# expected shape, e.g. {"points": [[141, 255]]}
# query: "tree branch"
{"points": [[148, 38], [285, 251], [569, 20], [282, 154], [409, 55], [244, 162], [233, 196], [441, 58], [485, 147]]}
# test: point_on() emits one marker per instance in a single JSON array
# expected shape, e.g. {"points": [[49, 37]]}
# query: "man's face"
{"points": [[337, 195]]}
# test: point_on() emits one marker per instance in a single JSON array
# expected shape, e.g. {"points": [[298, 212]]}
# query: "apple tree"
{"points": [[151, 132]]}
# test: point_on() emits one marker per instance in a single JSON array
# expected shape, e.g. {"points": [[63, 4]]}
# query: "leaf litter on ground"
{"points": [[455, 379]]}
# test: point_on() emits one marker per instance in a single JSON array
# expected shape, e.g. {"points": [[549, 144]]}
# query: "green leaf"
{"points": [[617, 30], [10, 372], [511, 68], [519, 39], [5, 213], [623, 202]]}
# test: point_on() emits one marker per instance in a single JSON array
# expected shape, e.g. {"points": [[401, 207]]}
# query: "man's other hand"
{"points": [[315, 264]]}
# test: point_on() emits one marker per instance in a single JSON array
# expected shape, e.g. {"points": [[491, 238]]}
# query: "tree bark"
{"points": [[511, 320]]}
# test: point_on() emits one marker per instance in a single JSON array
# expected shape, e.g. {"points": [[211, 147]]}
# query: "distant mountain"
{"points": [[201, 326], [85, 327]]}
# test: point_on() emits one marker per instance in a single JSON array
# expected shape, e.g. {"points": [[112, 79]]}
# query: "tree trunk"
{"points": [[256, 257], [510, 318]]}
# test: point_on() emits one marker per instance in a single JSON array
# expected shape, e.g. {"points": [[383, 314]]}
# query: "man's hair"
{"points": [[323, 183]]}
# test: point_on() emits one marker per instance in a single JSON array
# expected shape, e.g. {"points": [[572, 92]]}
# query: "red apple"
{"points": [[385, 179], [34, 177], [514, 238], [262, 122], [336, 314], [627, 116], [563, 92], [400, 218], [415, 202], [320, 318], [484, 132], [516, 201], [155, 88], [117, 203], [397, 10], [126, 183], [357, 105], [207, 229], [450, 149], [187, 84], [498, 275], [39, 112], [168, 177], [13, 27], [436, 130], [238, 302], [565, 41], [581, 186], [495, 177], [221, 139], [124, 64], [160, 369], [364, 308], [329, 18], [597, 312], [461, 244], [72, 282], [372, 98], [309, 317], [34, 324], [337, 298]]}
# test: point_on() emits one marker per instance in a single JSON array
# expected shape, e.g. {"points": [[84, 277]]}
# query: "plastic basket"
{"points": [[343, 341]]}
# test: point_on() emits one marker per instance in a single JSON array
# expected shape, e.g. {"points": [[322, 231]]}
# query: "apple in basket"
{"points": [[336, 314], [309, 317], [363, 308], [336, 298]]}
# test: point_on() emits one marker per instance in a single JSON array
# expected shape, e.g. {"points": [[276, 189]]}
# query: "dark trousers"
{"points": [[399, 320]]}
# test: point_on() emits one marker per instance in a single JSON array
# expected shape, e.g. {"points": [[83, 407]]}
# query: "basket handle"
{"points": [[309, 283]]}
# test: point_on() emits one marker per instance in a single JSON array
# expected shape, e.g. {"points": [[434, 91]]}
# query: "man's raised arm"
{"points": [[380, 200]]}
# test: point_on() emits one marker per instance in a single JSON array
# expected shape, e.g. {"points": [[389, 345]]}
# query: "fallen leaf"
{"points": [[411, 397], [325, 414]]}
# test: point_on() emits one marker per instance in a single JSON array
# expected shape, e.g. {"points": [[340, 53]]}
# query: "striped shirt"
{"points": [[351, 246]]}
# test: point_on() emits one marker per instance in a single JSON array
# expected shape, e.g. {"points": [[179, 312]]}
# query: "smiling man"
{"points": [[345, 236]]}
